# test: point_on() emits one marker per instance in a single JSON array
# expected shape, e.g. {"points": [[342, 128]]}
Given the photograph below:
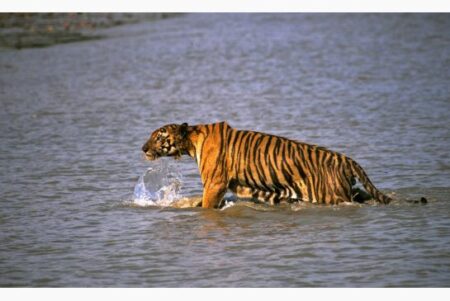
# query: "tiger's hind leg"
{"points": [[342, 189]]}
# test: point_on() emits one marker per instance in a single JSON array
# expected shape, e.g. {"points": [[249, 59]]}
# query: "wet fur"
{"points": [[261, 166]]}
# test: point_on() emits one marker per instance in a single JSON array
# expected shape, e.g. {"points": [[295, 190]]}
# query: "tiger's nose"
{"points": [[145, 148]]}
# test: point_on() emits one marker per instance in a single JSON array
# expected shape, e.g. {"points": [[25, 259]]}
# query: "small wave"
{"points": [[228, 204], [239, 204]]}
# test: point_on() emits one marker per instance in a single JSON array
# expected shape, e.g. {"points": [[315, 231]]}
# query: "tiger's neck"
{"points": [[191, 144], [196, 137]]}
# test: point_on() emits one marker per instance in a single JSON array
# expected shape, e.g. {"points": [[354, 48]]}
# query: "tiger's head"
{"points": [[168, 140]]}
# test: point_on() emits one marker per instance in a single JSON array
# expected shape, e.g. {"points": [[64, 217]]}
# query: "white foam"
{"points": [[228, 204]]}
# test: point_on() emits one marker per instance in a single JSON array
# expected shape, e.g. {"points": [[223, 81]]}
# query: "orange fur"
{"points": [[260, 166]]}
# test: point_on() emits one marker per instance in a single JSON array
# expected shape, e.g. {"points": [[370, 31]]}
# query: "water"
{"points": [[158, 186], [74, 118]]}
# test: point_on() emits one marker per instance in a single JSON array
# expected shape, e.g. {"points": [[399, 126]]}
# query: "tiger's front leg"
{"points": [[213, 195]]}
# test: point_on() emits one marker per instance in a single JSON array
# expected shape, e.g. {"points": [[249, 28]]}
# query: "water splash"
{"points": [[158, 186], [228, 204]]}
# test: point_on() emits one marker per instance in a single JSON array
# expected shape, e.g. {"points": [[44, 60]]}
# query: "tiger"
{"points": [[260, 166]]}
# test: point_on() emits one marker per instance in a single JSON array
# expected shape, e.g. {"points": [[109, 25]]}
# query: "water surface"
{"points": [[74, 118]]}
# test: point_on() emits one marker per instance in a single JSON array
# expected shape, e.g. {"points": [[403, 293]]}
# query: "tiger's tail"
{"points": [[359, 173]]}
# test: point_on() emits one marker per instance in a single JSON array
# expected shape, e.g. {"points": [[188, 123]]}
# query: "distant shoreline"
{"points": [[30, 30]]}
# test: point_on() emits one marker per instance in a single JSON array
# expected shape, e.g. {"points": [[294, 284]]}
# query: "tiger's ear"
{"points": [[183, 130]]}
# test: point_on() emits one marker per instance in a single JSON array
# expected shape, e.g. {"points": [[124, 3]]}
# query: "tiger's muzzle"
{"points": [[150, 154]]}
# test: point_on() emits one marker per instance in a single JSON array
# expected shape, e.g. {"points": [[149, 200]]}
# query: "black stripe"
{"points": [[299, 168], [275, 180], [286, 175], [291, 159], [273, 186], [201, 155], [308, 186], [248, 147], [261, 162], [290, 149], [248, 178], [237, 139], [308, 160], [277, 151], [229, 137], [219, 151], [257, 143], [260, 171], [239, 152], [251, 163]]}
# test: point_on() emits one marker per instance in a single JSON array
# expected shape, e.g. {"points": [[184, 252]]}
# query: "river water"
{"points": [[74, 118]]}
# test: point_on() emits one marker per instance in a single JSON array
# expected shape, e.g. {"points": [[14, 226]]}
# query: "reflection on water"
{"points": [[74, 118]]}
